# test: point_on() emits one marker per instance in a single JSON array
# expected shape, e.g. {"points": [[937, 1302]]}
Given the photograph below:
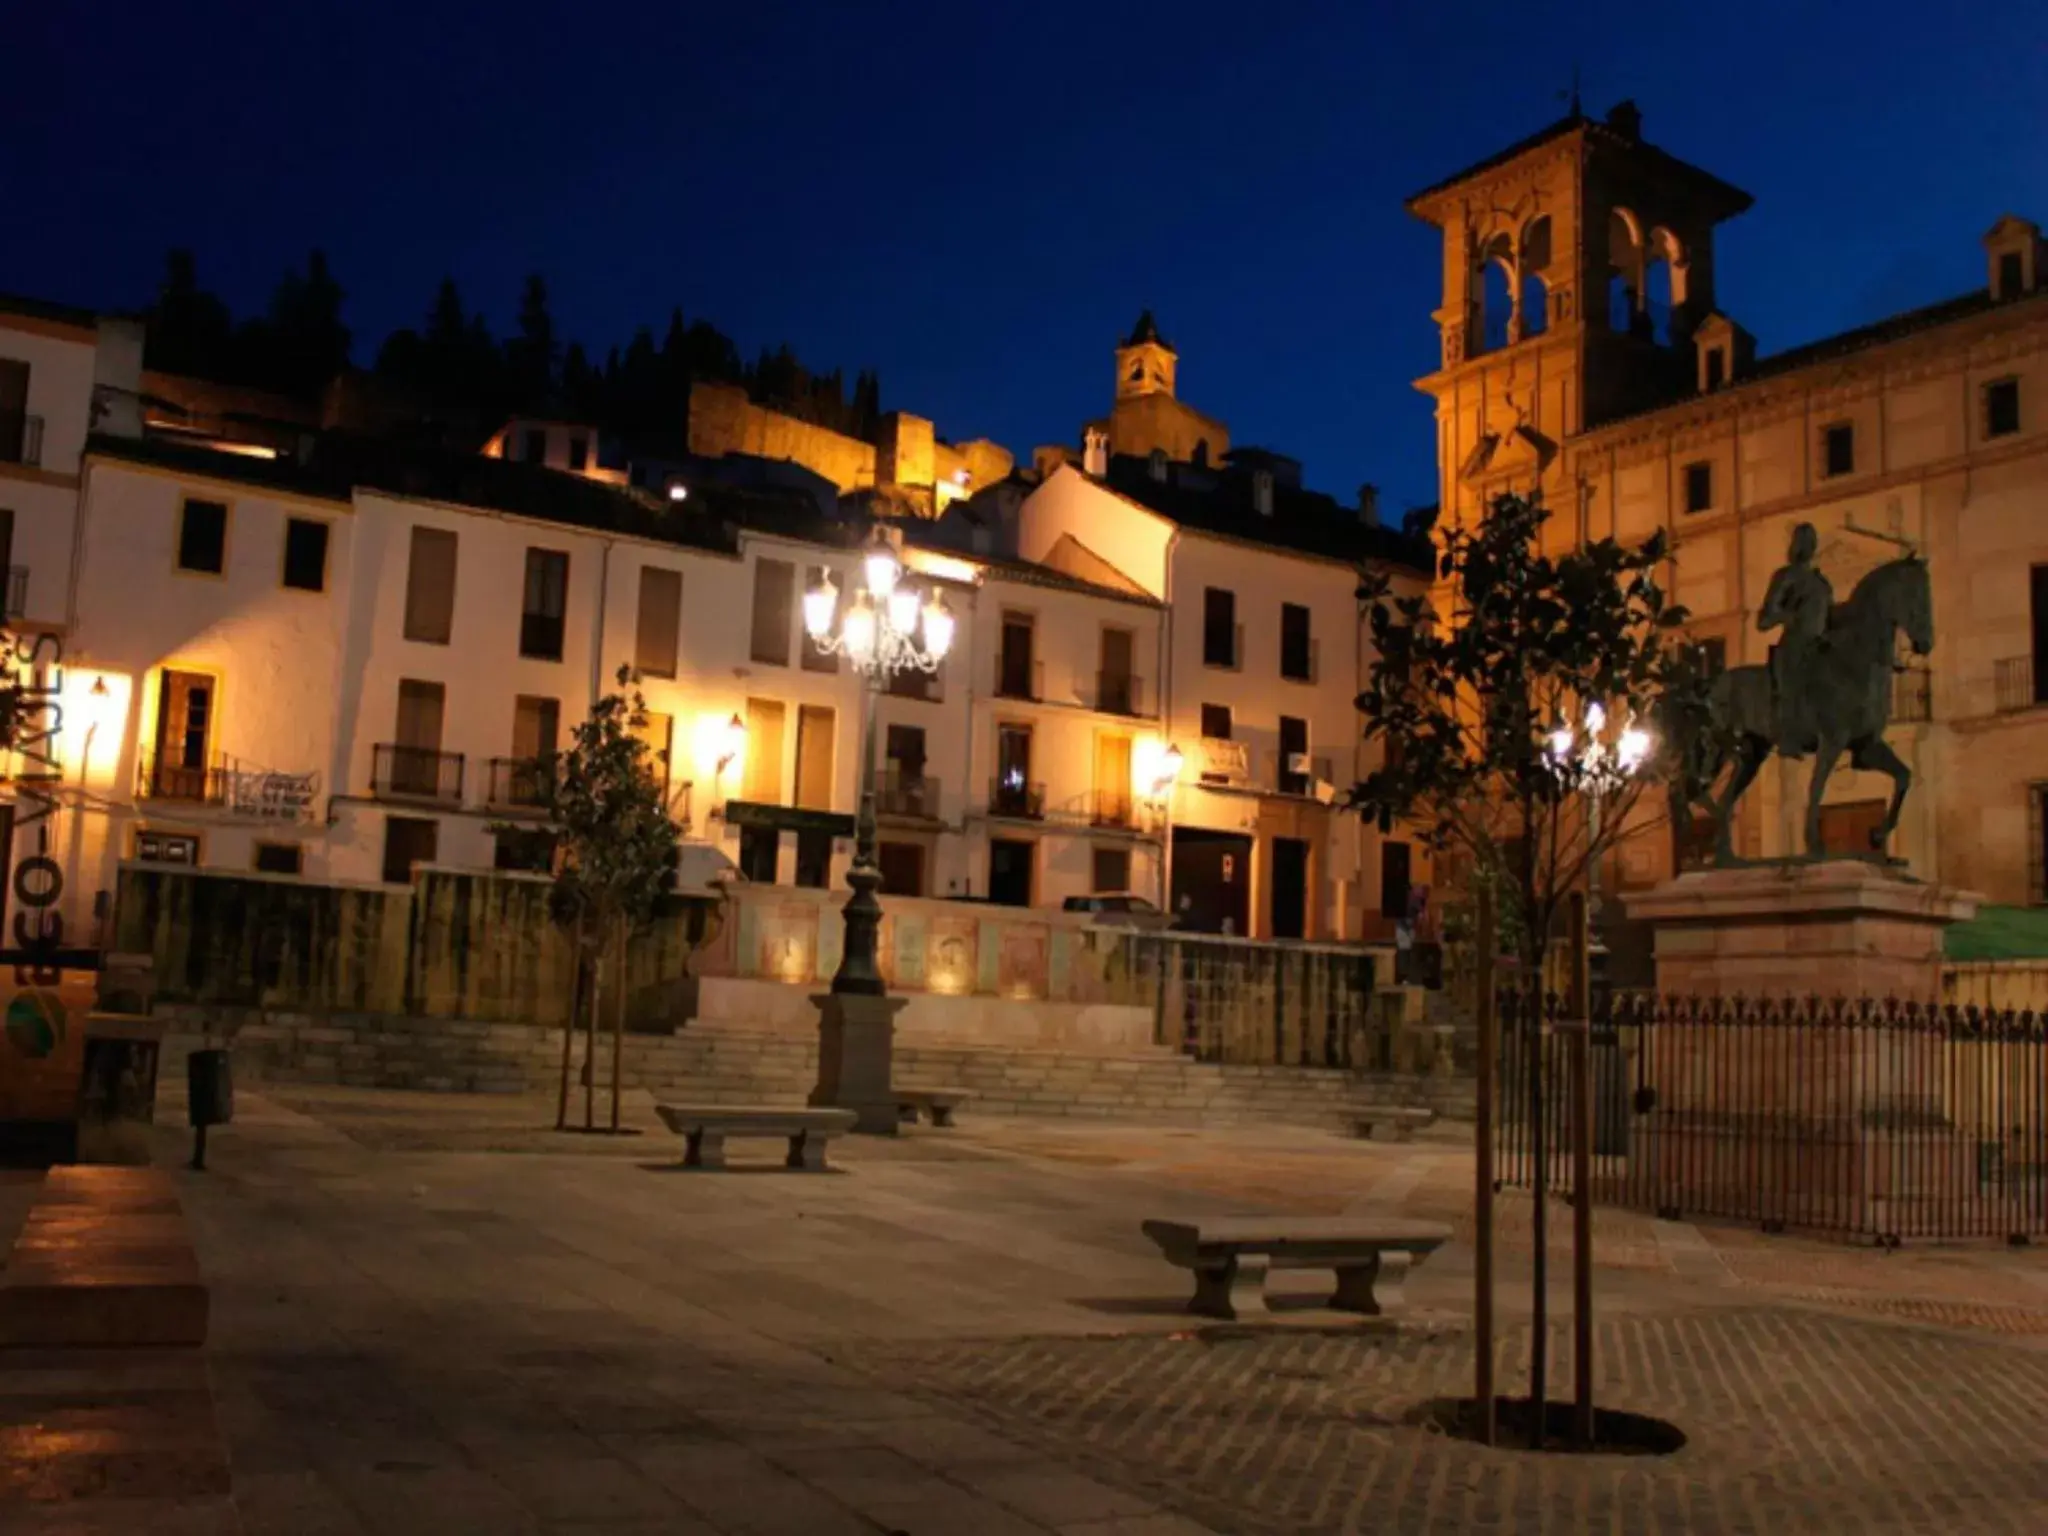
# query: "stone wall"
{"points": [[453, 946], [723, 420]]}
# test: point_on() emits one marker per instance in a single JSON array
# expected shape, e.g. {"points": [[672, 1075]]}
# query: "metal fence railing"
{"points": [[1860, 1119]]}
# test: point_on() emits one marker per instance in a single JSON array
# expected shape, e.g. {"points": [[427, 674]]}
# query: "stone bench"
{"points": [[1401, 1122], [104, 1259], [705, 1127], [1230, 1256], [936, 1103]]}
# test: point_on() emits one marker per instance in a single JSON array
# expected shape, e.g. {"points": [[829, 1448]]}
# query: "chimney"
{"points": [[1626, 119], [1262, 492], [1369, 505], [1095, 452]]}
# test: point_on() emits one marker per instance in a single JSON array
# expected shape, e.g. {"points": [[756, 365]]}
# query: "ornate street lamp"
{"points": [[887, 628]]}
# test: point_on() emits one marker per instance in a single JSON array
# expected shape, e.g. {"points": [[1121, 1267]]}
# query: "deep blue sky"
{"points": [[976, 199]]}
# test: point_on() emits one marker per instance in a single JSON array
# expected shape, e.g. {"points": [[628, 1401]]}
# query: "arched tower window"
{"points": [[1535, 294], [1624, 273], [1663, 283], [1496, 304]]}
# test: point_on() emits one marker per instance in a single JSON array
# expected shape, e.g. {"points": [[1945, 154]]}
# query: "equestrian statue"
{"points": [[1826, 690]]}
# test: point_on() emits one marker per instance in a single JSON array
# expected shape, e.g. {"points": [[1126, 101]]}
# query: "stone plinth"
{"points": [[1838, 928], [856, 1058]]}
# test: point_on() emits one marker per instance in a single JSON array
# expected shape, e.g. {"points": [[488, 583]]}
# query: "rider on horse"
{"points": [[1799, 599]]}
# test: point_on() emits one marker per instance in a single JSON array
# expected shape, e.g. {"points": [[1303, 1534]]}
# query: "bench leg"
{"points": [[1235, 1288], [807, 1151], [1371, 1286], [704, 1149], [942, 1115]]}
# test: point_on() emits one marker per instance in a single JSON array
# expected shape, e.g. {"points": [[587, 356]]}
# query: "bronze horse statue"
{"points": [[1844, 700]]}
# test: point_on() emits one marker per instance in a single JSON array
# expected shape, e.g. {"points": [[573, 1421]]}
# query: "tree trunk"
{"points": [[569, 1026], [618, 1021], [590, 1043]]}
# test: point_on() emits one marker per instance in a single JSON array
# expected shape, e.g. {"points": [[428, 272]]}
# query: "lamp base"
{"points": [[856, 1057]]}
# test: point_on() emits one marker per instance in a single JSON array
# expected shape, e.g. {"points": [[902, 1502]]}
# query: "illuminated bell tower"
{"points": [[1145, 361], [1577, 265]]}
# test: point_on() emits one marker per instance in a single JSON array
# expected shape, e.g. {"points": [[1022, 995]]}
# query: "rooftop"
{"points": [[1733, 199], [43, 309], [1219, 502]]}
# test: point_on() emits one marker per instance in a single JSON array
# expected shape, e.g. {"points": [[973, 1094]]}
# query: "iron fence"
{"points": [[1861, 1119]]}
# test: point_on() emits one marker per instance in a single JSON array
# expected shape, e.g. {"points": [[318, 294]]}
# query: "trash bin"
{"points": [[209, 1089]]}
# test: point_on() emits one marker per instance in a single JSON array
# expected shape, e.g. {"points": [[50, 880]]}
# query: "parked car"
{"points": [[1120, 909]]}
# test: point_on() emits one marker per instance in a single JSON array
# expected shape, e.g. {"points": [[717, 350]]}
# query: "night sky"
{"points": [[977, 199]]}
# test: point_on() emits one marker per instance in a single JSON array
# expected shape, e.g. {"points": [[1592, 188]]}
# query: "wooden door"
{"points": [[1112, 779], [814, 736], [764, 752]]}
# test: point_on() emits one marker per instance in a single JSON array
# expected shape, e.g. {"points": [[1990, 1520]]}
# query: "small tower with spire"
{"points": [[1145, 361]]}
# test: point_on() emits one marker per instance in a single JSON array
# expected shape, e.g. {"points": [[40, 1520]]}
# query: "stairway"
{"points": [[728, 1065]]}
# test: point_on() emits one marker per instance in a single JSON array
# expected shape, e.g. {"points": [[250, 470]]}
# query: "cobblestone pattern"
{"points": [[1798, 1422]]}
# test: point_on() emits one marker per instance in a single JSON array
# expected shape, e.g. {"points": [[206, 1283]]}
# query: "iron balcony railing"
{"points": [[159, 780], [1912, 696], [1019, 677], [2015, 684], [1014, 796], [230, 785], [519, 781], [1118, 693], [17, 591], [416, 773], [899, 792], [21, 439]]}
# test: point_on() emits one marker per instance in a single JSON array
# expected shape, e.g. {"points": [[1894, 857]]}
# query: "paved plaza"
{"points": [[432, 1314]]}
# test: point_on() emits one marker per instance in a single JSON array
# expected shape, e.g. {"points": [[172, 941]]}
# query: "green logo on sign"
{"points": [[35, 1023]]}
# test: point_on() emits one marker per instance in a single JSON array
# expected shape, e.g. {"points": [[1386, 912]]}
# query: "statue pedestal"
{"points": [[856, 1056], [1840, 928], [1779, 1111]]}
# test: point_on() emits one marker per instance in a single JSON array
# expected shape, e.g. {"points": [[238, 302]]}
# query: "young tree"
{"points": [[1521, 727], [615, 849]]}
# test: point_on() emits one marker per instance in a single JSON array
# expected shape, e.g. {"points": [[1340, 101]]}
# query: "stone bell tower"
{"points": [[1145, 361], [1577, 265]]}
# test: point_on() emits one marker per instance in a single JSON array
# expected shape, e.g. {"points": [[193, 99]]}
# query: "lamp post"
{"points": [[884, 630], [1586, 759], [1163, 784]]}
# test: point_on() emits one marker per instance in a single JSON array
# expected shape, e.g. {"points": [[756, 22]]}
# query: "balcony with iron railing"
{"points": [[1108, 810], [1912, 696], [902, 792], [230, 786], [2016, 685], [415, 773], [1019, 677], [1119, 693], [21, 439], [1012, 795], [1290, 780], [519, 783]]}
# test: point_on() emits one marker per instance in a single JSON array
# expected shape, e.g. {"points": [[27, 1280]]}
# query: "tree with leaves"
{"points": [[188, 329], [533, 355], [1519, 727], [615, 850], [300, 343]]}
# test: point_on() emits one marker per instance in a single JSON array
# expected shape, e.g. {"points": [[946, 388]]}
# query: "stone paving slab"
{"points": [[965, 1332], [1797, 1423]]}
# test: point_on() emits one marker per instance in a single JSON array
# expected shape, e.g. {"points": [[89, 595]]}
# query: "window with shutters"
{"points": [[430, 586], [1838, 449], [1219, 627], [774, 599], [661, 609], [2001, 407], [544, 610]]}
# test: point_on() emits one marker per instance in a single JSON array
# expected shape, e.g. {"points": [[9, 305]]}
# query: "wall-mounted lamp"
{"points": [[733, 745]]}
